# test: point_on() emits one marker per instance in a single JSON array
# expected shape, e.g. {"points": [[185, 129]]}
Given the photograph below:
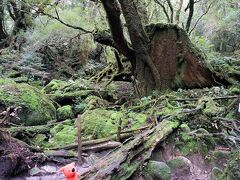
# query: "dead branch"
{"points": [[9, 113]]}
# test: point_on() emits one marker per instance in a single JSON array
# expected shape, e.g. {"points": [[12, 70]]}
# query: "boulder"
{"points": [[157, 171], [37, 109]]}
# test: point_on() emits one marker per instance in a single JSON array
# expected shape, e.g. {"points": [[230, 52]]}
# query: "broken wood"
{"points": [[103, 146], [93, 142], [41, 129]]}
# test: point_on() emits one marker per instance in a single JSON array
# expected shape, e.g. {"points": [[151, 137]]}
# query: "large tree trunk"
{"points": [[179, 62], [164, 58]]}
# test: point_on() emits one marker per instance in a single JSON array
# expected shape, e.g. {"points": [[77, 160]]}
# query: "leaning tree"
{"points": [[162, 55]]}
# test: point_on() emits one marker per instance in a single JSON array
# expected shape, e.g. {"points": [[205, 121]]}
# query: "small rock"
{"points": [[65, 112], [35, 171], [49, 169]]}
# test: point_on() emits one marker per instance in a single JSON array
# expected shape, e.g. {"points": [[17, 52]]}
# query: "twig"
{"points": [[200, 18]]}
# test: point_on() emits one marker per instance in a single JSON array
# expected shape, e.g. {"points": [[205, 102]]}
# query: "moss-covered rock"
{"points": [[180, 165], [65, 112], [157, 170], [63, 134], [53, 86], [235, 90], [39, 140], [36, 107], [95, 102]]}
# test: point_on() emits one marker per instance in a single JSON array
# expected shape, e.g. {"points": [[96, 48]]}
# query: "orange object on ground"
{"points": [[70, 172]]}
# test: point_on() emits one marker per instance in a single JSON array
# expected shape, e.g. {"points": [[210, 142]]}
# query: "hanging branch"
{"points": [[64, 23]]}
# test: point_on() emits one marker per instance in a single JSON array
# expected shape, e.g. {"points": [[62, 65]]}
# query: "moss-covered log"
{"points": [[124, 162]]}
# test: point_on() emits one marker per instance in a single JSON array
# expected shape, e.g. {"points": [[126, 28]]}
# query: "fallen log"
{"points": [[103, 146], [92, 142], [124, 162], [41, 129], [196, 99]]}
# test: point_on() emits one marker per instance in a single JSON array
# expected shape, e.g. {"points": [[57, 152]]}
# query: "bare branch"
{"points": [[171, 9], [164, 10]]}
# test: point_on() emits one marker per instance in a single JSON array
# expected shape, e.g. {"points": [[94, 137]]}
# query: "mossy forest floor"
{"points": [[185, 134], [200, 138]]}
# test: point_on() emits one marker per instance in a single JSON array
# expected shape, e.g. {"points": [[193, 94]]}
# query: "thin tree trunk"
{"points": [[191, 10]]}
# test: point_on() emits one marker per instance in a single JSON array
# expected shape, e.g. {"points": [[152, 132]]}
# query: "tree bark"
{"points": [[147, 75], [3, 33]]}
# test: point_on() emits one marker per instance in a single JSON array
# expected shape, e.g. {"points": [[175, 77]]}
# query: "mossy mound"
{"points": [[100, 123], [63, 134], [65, 112], [58, 86], [36, 107]]}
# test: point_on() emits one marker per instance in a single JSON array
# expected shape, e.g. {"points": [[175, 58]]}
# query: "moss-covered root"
{"points": [[132, 155]]}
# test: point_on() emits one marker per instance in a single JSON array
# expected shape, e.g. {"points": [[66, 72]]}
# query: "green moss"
{"points": [[99, 123], [59, 96], [95, 102], [232, 172], [212, 109], [185, 128], [39, 140], [63, 134], [157, 170], [65, 112], [53, 86], [235, 90], [36, 107]]}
